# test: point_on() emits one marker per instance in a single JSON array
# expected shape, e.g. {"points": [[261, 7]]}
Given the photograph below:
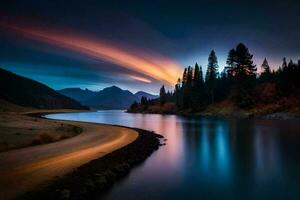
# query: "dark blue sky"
{"points": [[183, 31]]}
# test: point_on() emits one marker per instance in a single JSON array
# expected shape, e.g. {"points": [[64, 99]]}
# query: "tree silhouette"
{"points": [[238, 84], [162, 95], [265, 67], [211, 74]]}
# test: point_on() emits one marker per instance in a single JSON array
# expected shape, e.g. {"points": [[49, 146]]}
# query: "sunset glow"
{"points": [[138, 78], [159, 68]]}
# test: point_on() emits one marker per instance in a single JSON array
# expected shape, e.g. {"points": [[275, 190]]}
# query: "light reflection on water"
{"points": [[210, 158]]}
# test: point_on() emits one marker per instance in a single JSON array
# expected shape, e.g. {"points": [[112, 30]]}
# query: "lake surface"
{"points": [[209, 158]]}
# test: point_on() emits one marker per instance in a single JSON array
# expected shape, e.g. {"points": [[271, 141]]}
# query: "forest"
{"points": [[238, 86]]}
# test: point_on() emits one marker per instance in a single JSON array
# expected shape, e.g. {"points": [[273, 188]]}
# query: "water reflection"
{"points": [[267, 158], [210, 158]]}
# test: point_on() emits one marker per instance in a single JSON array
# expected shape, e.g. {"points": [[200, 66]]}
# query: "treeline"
{"points": [[239, 83]]}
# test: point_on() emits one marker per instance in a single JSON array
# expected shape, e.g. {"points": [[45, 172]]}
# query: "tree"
{"points": [[231, 62], [244, 63], [212, 67], [266, 74], [211, 74], [284, 63], [177, 94], [162, 95], [187, 88], [134, 106], [197, 88], [201, 75], [265, 67], [196, 74], [184, 77], [244, 72], [144, 100]]}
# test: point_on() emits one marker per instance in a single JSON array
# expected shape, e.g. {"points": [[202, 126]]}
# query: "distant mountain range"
{"points": [[26, 92], [109, 98]]}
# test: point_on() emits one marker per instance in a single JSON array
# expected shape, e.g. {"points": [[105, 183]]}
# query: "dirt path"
{"points": [[25, 169]]}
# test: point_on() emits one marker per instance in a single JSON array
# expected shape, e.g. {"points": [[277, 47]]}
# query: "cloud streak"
{"points": [[157, 67]]}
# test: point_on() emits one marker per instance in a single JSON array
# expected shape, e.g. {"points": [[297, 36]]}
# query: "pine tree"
{"points": [[201, 75], [144, 100], [198, 89], [189, 79], [212, 67], [211, 74], [187, 88], [244, 63], [266, 72], [284, 63], [244, 72], [231, 62], [196, 74], [265, 67], [177, 94], [184, 77], [162, 95]]}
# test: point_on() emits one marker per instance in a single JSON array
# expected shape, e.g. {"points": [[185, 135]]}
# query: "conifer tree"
{"points": [[244, 63], [196, 74], [184, 77], [187, 88], [284, 63], [198, 88], [177, 94], [201, 75], [244, 72], [211, 74], [231, 62], [162, 95], [265, 67], [212, 67]]}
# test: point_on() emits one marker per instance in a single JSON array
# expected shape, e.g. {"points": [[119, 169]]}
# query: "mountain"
{"points": [[29, 93], [109, 98], [77, 93], [141, 94]]}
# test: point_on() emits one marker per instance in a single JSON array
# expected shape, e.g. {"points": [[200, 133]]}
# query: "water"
{"points": [[207, 158]]}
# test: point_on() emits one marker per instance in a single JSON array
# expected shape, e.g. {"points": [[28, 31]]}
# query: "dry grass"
{"points": [[17, 131]]}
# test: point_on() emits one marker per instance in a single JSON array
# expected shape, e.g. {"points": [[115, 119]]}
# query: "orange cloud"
{"points": [[138, 78], [159, 68]]}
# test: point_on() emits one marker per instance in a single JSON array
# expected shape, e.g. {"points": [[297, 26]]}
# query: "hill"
{"points": [[29, 93]]}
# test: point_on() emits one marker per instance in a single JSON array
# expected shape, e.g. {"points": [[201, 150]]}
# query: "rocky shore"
{"points": [[97, 176]]}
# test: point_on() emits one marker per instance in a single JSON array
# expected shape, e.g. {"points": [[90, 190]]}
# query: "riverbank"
{"points": [[226, 109], [28, 169], [97, 176]]}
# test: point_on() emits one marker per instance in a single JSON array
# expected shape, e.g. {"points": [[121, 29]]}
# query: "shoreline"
{"points": [[96, 177], [27, 169], [239, 115]]}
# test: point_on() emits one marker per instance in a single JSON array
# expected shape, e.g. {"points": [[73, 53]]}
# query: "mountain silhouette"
{"points": [[26, 92], [109, 98]]}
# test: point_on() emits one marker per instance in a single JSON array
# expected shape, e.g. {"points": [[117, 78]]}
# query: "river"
{"points": [[209, 158]]}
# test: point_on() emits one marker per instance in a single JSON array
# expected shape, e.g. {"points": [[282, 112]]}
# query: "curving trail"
{"points": [[25, 169]]}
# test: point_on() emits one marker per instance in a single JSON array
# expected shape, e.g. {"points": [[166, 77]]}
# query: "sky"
{"points": [[139, 45]]}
